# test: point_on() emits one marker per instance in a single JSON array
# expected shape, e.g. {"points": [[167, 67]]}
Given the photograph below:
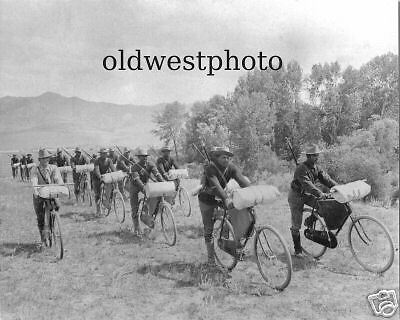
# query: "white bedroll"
{"points": [[84, 168], [65, 169], [31, 165], [254, 195], [157, 189], [16, 165], [113, 176], [178, 174], [49, 192], [351, 191]]}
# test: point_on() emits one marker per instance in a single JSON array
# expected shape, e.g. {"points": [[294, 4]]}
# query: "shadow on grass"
{"points": [[117, 236], [17, 249], [187, 274], [191, 231], [303, 263], [80, 216]]}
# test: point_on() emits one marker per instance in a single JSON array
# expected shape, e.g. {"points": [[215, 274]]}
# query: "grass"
{"points": [[108, 273]]}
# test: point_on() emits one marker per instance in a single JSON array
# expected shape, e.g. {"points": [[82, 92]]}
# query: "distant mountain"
{"points": [[52, 120]]}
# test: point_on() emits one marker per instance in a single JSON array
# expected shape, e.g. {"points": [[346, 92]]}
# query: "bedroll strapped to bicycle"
{"points": [[322, 237]]}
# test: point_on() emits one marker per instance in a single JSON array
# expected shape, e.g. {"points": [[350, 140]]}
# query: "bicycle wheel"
{"points": [[273, 258], [168, 223], [224, 259], [119, 206], [312, 248], [104, 211], [371, 244], [184, 202], [56, 242], [87, 194]]}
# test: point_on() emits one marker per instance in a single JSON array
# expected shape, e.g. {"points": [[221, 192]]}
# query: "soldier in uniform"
{"points": [[124, 162], [23, 167], [140, 174], [77, 160], [29, 160], [14, 160], [166, 162], [61, 160], [113, 156], [44, 173], [102, 165], [309, 182], [217, 173]]}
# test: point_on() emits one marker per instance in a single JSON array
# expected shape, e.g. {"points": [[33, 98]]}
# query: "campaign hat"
{"points": [[312, 149], [217, 151], [44, 153], [141, 152]]}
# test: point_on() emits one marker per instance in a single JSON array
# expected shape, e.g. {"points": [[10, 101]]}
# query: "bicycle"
{"points": [[52, 226], [84, 189], [166, 217], [182, 199], [272, 255], [365, 233], [115, 198]]}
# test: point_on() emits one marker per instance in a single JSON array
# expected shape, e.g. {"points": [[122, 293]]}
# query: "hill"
{"points": [[51, 119]]}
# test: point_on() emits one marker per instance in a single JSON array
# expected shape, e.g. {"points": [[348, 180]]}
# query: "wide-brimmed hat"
{"points": [[126, 150], [312, 149], [44, 153], [217, 151], [165, 148], [103, 150], [111, 150], [141, 152], [59, 150], [77, 149], [29, 154]]}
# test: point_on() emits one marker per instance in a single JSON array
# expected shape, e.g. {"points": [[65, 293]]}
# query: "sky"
{"points": [[59, 46]]}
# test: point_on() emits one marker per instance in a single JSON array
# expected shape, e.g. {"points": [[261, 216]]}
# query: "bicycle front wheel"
{"points": [[56, 242], [273, 258], [371, 244], [184, 202], [119, 206], [225, 244], [312, 248], [168, 224]]}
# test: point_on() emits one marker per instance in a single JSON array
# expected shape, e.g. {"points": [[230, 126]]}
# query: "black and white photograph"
{"points": [[199, 159]]}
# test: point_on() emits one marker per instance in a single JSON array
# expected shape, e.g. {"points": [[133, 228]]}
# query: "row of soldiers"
{"points": [[139, 171]]}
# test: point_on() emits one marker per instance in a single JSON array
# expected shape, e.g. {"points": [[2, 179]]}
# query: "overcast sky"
{"points": [[60, 45]]}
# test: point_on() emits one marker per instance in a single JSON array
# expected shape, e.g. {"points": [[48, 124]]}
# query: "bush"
{"points": [[345, 166]]}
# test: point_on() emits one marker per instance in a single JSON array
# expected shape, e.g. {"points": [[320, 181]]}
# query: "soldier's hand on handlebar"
{"points": [[228, 204]]}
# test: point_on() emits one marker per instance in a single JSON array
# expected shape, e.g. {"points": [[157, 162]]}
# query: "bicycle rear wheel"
{"points": [[371, 244], [273, 257], [168, 223], [56, 242], [312, 248], [184, 202], [104, 211], [119, 206], [222, 241]]}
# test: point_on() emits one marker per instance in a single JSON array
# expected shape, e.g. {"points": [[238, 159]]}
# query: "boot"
{"points": [[298, 251], [98, 208], [210, 254]]}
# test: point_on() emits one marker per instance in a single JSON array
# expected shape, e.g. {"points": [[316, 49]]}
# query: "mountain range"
{"points": [[53, 120]]}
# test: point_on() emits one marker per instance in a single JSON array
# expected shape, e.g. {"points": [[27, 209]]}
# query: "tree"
{"points": [[170, 123]]}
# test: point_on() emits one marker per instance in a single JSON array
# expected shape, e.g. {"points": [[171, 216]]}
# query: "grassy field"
{"points": [[108, 273]]}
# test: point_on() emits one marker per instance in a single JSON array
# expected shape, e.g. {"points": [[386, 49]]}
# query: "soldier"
{"points": [[217, 174], [166, 162], [44, 173], [102, 165], [309, 182], [123, 164], [23, 167], [77, 159], [140, 174], [92, 160], [29, 160], [61, 160], [113, 156], [14, 160]]}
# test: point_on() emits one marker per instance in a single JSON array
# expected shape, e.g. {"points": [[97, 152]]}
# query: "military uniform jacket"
{"points": [[14, 160], [60, 161], [164, 165], [102, 166], [78, 161], [47, 174], [144, 172], [123, 164], [306, 176]]}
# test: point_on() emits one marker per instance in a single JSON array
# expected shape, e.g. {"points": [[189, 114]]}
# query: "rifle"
{"points": [[87, 153], [291, 150], [198, 150], [65, 150], [133, 163]]}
